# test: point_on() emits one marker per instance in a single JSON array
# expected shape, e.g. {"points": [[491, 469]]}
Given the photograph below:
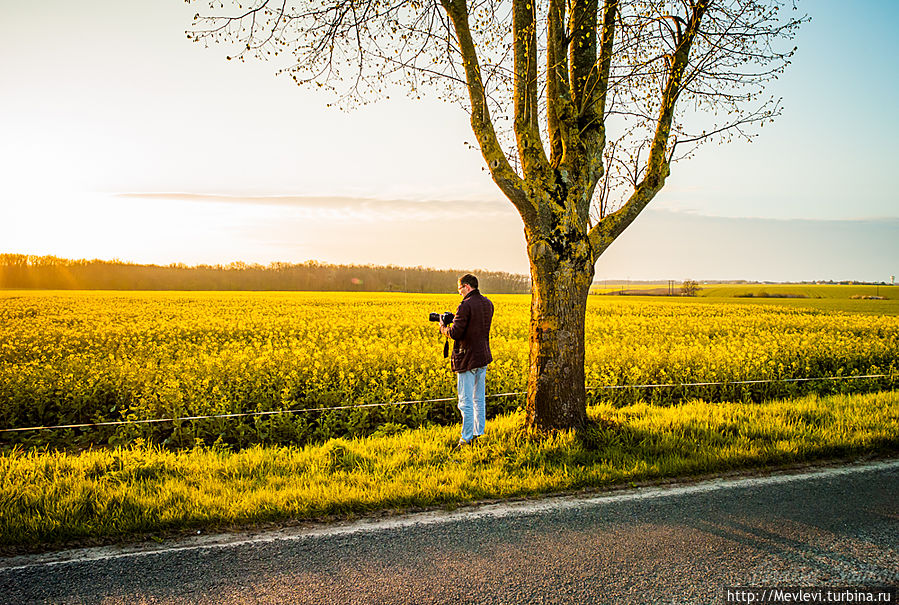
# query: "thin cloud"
{"points": [[344, 207]]}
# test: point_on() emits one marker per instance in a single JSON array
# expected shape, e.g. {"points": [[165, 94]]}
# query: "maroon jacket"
{"points": [[470, 332]]}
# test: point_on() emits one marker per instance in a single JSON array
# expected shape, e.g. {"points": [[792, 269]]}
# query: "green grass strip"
{"points": [[50, 498]]}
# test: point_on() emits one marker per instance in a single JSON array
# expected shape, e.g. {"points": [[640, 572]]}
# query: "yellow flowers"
{"points": [[67, 358]]}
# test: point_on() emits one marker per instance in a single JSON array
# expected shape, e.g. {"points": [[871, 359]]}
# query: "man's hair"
{"points": [[469, 279]]}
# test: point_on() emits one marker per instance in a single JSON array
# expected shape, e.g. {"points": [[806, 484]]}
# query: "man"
{"points": [[470, 332]]}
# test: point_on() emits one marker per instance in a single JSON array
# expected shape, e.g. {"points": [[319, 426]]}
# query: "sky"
{"points": [[122, 139]]}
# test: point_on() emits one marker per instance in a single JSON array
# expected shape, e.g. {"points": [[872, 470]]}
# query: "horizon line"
{"points": [[307, 200], [256, 265]]}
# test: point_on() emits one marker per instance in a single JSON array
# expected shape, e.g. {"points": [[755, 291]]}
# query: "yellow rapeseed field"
{"points": [[81, 357]]}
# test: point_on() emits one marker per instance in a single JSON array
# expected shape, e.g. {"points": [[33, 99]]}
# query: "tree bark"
{"points": [[562, 271]]}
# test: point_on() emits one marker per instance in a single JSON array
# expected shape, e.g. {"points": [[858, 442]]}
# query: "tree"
{"points": [[689, 288], [598, 99]]}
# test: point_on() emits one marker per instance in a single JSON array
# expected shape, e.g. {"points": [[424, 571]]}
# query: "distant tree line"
{"points": [[52, 273]]}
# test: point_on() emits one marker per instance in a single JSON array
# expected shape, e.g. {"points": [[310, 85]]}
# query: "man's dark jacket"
{"points": [[470, 332]]}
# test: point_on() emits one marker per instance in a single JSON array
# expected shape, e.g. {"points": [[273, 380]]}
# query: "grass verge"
{"points": [[50, 498]]}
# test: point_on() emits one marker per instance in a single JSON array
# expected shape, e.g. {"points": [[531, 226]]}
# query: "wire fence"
{"points": [[420, 401]]}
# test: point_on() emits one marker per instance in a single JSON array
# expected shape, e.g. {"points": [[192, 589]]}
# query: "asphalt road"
{"points": [[679, 544]]}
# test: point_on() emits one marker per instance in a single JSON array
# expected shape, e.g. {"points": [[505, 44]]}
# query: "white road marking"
{"points": [[505, 509]]}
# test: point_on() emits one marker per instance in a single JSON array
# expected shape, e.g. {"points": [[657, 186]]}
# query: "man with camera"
{"points": [[470, 331]]}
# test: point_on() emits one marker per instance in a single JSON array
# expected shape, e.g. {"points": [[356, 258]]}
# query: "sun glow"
{"points": [[107, 226]]}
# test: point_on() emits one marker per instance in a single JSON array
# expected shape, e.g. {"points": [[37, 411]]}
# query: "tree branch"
{"points": [[558, 91], [503, 174], [526, 101], [657, 166]]}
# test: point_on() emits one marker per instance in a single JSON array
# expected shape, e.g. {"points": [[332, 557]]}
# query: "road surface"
{"points": [[677, 544]]}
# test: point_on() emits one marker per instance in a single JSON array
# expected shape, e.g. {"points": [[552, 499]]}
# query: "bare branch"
{"points": [[603, 77]]}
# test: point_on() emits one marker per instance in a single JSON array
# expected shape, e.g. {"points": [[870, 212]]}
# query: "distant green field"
{"points": [[827, 297], [824, 297], [798, 290]]}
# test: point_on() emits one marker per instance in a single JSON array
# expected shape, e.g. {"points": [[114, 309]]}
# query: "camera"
{"points": [[445, 318]]}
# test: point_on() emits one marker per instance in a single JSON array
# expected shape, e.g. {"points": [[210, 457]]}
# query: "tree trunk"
{"points": [[561, 274]]}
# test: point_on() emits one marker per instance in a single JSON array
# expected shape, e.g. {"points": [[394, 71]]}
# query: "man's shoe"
{"points": [[461, 443]]}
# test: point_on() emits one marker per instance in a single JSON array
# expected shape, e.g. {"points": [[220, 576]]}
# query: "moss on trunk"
{"points": [[561, 272]]}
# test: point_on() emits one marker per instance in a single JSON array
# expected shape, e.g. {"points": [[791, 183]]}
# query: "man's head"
{"points": [[467, 283]]}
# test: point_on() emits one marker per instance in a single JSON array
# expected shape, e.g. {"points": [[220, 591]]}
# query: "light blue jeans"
{"points": [[471, 387]]}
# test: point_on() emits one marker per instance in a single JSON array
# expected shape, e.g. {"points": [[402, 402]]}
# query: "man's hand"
{"points": [[444, 330]]}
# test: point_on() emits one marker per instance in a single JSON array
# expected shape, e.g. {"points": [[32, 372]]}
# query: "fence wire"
{"points": [[440, 400]]}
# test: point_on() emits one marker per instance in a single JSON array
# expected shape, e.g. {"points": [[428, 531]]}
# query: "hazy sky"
{"points": [[119, 138]]}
